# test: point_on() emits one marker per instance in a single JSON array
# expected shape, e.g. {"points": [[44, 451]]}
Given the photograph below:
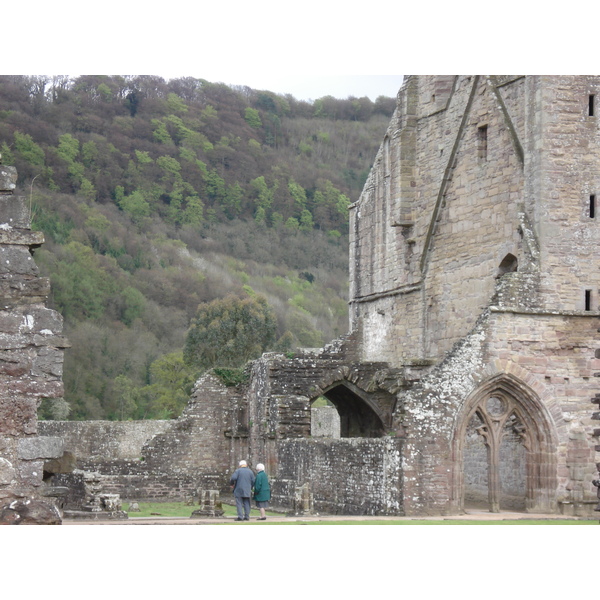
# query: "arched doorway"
{"points": [[504, 450], [358, 417]]}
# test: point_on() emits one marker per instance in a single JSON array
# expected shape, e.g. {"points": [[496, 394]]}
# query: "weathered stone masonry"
{"points": [[471, 252], [473, 349], [31, 356]]}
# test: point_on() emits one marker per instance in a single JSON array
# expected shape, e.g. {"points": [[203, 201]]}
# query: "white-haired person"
{"points": [[242, 481], [262, 491]]}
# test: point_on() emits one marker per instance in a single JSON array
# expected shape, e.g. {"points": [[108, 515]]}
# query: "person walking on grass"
{"points": [[242, 481], [262, 491]]}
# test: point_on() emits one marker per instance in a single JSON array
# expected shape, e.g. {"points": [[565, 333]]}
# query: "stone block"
{"points": [[40, 447], [18, 415], [7, 472], [21, 288], [16, 260], [48, 361], [14, 211], [8, 178], [30, 512], [31, 472]]}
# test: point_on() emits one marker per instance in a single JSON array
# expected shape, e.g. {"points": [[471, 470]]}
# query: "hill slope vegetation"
{"points": [[162, 201]]}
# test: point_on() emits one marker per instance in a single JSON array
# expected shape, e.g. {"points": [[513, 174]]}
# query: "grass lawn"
{"points": [[179, 509]]}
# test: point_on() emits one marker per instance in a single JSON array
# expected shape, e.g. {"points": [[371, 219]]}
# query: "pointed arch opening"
{"points": [[509, 264], [357, 415], [504, 450]]}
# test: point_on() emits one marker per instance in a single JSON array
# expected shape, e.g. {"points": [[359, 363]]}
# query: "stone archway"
{"points": [[359, 416], [504, 449]]}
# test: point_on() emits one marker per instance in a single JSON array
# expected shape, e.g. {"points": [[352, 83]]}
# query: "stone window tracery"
{"points": [[497, 426]]}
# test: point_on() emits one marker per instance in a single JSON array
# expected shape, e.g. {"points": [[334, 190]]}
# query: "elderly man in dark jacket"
{"points": [[242, 481]]}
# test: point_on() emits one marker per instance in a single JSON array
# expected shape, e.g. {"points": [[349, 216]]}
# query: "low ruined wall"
{"points": [[158, 460], [353, 476], [103, 440], [132, 481]]}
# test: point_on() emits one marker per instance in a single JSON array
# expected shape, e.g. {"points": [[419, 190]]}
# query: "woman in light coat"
{"points": [[262, 491]]}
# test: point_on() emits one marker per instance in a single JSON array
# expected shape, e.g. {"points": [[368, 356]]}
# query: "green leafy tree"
{"points": [[292, 224], [175, 104], [143, 157], [306, 221], [7, 156], [68, 148], [264, 195], [87, 189], [261, 215], [81, 286], [172, 381], [160, 133], [229, 332], [252, 117], [298, 193], [330, 206], [126, 395], [89, 153], [28, 150], [133, 304], [135, 205], [193, 213]]}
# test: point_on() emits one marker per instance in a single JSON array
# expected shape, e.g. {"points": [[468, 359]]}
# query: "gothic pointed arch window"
{"points": [[506, 459]]}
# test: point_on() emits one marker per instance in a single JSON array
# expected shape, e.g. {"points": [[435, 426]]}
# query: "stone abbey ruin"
{"points": [[472, 359]]}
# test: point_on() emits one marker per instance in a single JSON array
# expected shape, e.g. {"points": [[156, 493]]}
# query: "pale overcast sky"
{"points": [[311, 88], [309, 50]]}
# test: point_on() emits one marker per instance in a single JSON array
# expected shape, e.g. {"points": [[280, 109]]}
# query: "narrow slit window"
{"points": [[592, 206], [591, 102], [482, 139], [588, 299]]}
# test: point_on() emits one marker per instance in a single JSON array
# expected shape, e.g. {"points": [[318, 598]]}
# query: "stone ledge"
{"points": [[20, 237], [540, 312]]}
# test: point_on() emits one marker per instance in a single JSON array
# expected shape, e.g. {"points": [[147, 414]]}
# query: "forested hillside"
{"points": [[184, 206]]}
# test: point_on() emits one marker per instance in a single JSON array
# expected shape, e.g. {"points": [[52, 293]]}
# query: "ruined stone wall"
{"points": [[491, 183], [163, 460], [551, 361], [348, 476], [556, 355], [498, 167], [467, 184], [99, 440], [31, 354]]}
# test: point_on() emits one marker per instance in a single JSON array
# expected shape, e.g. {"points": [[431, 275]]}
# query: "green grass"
{"points": [[180, 509]]}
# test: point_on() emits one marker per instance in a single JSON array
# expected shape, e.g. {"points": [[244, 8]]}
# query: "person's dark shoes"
{"points": [[246, 518], [238, 519]]}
